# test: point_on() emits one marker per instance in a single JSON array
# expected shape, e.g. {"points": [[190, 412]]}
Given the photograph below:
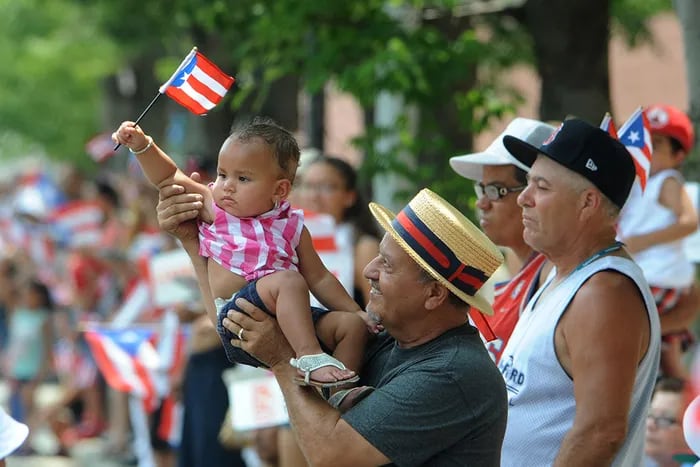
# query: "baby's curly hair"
{"points": [[280, 140]]}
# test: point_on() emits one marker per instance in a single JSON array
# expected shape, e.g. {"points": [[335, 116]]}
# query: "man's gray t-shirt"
{"points": [[440, 404]]}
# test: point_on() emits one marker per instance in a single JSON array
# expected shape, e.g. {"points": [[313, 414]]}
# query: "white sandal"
{"points": [[309, 363]]}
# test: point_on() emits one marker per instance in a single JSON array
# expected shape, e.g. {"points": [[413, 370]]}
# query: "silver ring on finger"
{"points": [[240, 334]]}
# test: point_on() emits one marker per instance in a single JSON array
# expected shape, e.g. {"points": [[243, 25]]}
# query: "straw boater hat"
{"points": [[444, 243]]}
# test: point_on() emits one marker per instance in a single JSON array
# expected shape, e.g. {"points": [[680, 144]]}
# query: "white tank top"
{"points": [[541, 404], [664, 265]]}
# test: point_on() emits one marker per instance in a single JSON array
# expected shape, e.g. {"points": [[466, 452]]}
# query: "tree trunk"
{"points": [[689, 15], [571, 51]]}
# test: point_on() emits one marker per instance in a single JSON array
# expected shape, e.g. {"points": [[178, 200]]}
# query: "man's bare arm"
{"points": [[324, 438], [600, 341]]}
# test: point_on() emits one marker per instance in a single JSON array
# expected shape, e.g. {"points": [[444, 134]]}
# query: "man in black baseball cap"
{"points": [[581, 362], [588, 151]]}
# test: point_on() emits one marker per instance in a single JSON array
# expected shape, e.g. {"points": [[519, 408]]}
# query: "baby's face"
{"points": [[247, 178]]}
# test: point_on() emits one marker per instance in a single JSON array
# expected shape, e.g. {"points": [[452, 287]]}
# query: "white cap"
{"points": [[471, 166], [12, 434]]}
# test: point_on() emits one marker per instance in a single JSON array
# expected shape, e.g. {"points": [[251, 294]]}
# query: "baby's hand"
{"points": [[372, 326], [131, 136]]}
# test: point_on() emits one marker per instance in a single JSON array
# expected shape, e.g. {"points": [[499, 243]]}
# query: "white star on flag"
{"points": [[633, 137]]}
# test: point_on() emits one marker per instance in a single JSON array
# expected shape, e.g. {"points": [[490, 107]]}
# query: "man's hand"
{"points": [[261, 335], [177, 211]]}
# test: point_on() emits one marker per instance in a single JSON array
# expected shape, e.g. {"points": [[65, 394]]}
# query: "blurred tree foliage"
{"points": [[446, 67], [54, 56]]}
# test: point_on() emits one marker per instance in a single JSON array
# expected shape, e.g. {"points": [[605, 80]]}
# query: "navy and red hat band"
{"points": [[436, 254]]}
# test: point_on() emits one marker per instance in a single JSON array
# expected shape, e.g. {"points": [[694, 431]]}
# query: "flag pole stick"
{"points": [[142, 115]]}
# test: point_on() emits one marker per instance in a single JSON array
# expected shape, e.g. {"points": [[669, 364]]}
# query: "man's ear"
{"points": [[436, 295], [589, 201]]}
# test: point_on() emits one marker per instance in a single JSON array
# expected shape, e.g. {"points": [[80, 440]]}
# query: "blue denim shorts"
{"points": [[250, 293]]}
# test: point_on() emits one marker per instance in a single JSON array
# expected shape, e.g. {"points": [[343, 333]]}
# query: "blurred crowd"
{"points": [[71, 245], [73, 253]]}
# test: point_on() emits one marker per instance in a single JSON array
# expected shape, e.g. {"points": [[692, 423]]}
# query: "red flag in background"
{"points": [[608, 125], [197, 84], [100, 147]]}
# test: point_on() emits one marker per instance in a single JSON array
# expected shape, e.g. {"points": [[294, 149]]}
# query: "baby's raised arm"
{"points": [[158, 167]]}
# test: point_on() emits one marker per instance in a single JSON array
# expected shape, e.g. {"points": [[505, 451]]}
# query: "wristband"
{"points": [[144, 149]]}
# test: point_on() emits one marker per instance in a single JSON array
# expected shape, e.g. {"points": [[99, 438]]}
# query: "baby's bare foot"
{"points": [[329, 374]]}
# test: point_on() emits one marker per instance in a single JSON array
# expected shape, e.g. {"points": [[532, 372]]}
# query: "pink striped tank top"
{"points": [[253, 247]]}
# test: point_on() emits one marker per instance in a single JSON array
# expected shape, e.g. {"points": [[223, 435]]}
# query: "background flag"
{"points": [[127, 360], [197, 84], [100, 147], [635, 135], [608, 125]]}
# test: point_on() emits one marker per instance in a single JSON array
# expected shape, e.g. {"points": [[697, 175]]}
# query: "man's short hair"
{"points": [[579, 183]]}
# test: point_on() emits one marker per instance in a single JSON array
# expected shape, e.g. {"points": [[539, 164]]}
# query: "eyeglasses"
{"points": [[322, 188], [495, 192], [662, 421]]}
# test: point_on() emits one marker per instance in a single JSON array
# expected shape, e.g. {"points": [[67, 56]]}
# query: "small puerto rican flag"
{"points": [[636, 136], [197, 84]]}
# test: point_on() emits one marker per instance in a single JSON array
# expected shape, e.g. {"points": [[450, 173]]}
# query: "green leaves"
{"points": [[54, 59]]}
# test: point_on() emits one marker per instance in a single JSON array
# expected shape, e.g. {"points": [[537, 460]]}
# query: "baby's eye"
{"points": [[220, 175], [243, 179]]}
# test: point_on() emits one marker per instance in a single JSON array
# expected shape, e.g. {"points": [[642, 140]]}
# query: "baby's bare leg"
{"points": [[286, 295], [346, 334]]}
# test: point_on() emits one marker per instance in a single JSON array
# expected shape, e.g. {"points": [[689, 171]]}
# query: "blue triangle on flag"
{"points": [[128, 340]]}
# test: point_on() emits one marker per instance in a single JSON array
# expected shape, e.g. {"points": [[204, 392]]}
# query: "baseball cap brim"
{"points": [[471, 166], [524, 152]]}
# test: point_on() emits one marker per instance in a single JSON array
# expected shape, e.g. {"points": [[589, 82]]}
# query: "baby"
{"points": [[258, 249]]}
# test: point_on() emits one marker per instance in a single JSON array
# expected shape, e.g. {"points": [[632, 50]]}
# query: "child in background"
{"points": [[654, 223], [664, 443], [29, 354], [258, 248]]}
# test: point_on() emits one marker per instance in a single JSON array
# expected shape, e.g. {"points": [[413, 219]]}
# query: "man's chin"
{"points": [[373, 315]]}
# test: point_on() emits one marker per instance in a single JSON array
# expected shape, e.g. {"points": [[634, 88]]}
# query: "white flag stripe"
{"points": [[190, 91], [79, 218], [134, 304], [210, 82], [124, 367], [85, 239]]}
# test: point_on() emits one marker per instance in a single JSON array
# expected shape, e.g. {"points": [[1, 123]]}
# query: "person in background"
{"points": [[665, 444], [499, 178], [581, 362], [329, 186], [654, 223], [29, 354], [204, 397]]}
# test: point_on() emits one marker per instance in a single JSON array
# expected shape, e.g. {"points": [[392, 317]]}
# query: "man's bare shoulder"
{"points": [[609, 294]]}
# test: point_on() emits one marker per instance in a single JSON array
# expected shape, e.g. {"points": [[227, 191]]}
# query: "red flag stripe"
{"points": [[204, 90], [214, 71], [186, 101]]}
